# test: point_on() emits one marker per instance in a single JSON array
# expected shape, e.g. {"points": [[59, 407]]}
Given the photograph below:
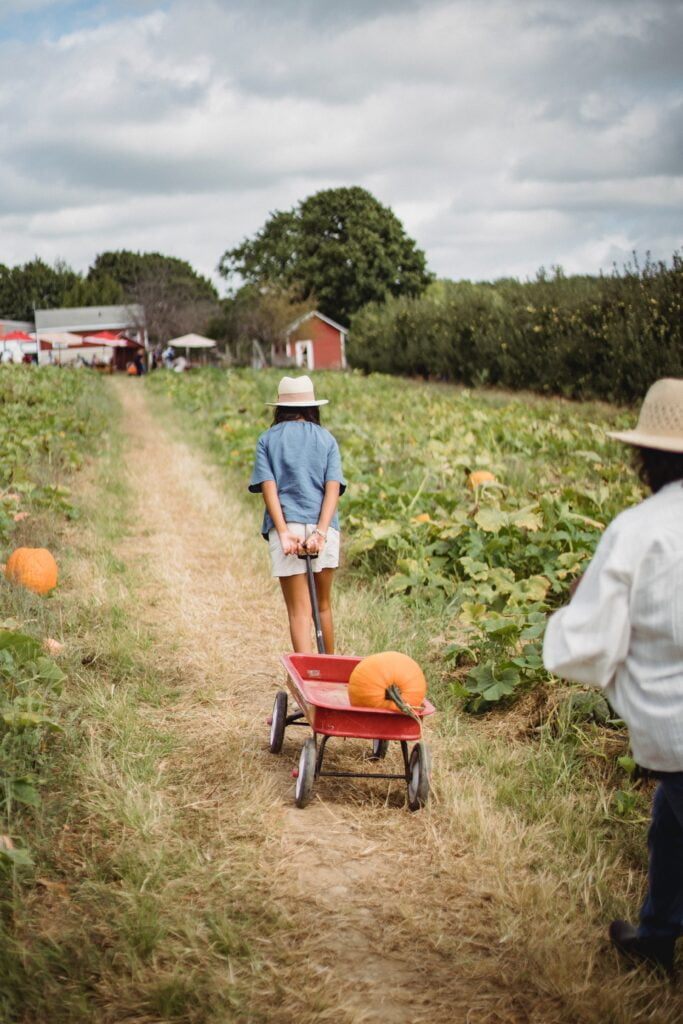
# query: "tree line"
{"points": [[175, 297], [603, 337], [342, 252], [335, 251]]}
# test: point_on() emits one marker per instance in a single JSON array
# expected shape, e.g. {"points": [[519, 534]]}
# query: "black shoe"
{"points": [[654, 950]]}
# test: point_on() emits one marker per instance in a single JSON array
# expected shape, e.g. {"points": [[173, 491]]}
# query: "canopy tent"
{"points": [[192, 341], [58, 339], [70, 348], [110, 339], [197, 342], [18, 336], [21, 343]]}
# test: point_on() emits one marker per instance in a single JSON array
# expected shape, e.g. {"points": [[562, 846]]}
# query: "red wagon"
{"points": [[319, 685]]}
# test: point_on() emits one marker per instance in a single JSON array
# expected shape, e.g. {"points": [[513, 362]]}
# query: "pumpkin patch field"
{"points": [[482, 507], [155, 867], [49, 422]]}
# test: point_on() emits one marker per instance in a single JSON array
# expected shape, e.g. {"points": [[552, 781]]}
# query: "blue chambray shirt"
{"points": [[300, 457]]}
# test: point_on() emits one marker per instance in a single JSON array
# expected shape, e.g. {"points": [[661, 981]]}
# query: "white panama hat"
{"points": [[297, 393], [660, 423]]}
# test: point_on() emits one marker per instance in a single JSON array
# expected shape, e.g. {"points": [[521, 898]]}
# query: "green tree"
{"points": [[130, 268], [104, 291], [255, 314], [35, 285], [175, 297], [341, 245]]}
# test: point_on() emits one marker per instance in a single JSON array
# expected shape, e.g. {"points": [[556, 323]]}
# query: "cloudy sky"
{"points": [[505, 134]]}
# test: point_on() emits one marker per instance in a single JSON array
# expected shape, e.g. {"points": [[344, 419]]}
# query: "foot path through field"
{"points": [[382, 915]]}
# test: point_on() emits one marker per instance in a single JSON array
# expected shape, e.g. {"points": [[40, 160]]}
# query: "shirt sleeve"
{"points": [[262, 468], [589, 638], [333, 470]]}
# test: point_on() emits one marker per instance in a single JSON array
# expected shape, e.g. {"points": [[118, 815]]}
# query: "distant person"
{"points": [[180, 364], [298, 471], [168, 356], [139, 361], [623, 632]]}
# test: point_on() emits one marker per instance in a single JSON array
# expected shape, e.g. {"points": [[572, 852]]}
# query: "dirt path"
{"points": [[343, 871], [388, 917]]}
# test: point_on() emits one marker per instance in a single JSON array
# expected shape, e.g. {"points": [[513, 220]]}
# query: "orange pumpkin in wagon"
{"points": [[378, 673]]}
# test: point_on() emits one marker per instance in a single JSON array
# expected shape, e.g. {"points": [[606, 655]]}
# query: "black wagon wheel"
{"points": [[418, 776], [306, 776], [278, 722], [379, 750]]}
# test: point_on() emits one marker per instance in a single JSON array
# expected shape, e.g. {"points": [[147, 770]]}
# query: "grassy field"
{"points": [[490, 562], [169, 881]]}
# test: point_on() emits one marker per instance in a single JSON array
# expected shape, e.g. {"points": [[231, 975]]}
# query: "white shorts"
{"points": [[292, 565]]}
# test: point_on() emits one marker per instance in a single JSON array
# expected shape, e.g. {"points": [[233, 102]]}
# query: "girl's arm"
{"points": [[291, 544], [316, 541]]}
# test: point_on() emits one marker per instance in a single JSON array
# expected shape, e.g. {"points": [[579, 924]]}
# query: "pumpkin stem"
{"points": [[393, 693]]}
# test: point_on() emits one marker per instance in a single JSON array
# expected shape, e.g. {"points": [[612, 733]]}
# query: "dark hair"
{"points": [[657, 468], [284, 413]]}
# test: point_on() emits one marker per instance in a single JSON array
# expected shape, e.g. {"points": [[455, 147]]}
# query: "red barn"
{"points": [[314, 342]]}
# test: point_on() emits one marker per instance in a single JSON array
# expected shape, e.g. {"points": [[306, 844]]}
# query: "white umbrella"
{"points": [[192, 341], [188, 341], [60, 340]]}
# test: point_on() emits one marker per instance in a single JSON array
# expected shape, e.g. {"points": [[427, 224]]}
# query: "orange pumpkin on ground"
{"points": [[479, 477], [374, 675], [34, 568]]}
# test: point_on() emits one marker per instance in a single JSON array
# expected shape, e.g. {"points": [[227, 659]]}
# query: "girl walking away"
{"points": [[298, 471], [623, 631]]}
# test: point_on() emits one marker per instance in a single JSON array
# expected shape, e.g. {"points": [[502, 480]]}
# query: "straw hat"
{"points": [[296, 392], [660, 423]]}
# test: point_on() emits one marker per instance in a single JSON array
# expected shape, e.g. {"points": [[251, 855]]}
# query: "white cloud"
{"points": [[506, 135]]}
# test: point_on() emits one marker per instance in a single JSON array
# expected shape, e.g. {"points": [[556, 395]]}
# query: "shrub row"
{"points": [[606, 337]]}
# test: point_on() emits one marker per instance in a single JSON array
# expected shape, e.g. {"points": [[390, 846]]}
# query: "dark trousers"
{"points": [[662, 911]]}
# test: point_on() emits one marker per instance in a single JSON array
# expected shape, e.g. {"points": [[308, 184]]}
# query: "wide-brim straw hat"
{"points": [[660, 423], [297, 393]]}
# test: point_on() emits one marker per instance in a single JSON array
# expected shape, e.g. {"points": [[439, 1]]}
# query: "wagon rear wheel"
{"points": [[418, 777], [278, 722], [306, 775]]}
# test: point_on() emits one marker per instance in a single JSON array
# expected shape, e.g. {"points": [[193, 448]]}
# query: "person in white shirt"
{"points": [[623, 632]]}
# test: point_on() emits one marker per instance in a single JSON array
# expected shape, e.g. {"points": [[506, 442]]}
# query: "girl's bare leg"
{"points": [[299, 612], [323, 588]]}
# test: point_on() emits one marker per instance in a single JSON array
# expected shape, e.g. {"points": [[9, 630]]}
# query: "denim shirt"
{"points": [[300, 457]]}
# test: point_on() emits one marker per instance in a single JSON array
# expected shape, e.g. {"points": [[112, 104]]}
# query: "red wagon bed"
{"points": [[319, 685]]}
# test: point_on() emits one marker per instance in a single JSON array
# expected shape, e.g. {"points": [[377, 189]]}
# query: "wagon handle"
{"points": [[314, 601]]}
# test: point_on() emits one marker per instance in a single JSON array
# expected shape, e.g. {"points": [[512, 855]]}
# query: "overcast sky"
{"points": [[505, 134]]}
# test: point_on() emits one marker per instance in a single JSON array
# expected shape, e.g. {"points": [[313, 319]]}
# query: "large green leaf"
{"points": [[18, 858], [22, 646], [491, 520]]}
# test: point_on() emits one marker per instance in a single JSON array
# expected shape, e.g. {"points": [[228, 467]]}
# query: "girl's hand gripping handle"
{"points": [[291, 544]]}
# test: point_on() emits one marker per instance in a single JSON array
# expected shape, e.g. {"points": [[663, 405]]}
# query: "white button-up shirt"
{"points": [[623, 629]]}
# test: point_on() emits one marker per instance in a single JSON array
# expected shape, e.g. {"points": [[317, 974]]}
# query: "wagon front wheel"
{"points": [[418, 777], [278, 722], [306, 775]]}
